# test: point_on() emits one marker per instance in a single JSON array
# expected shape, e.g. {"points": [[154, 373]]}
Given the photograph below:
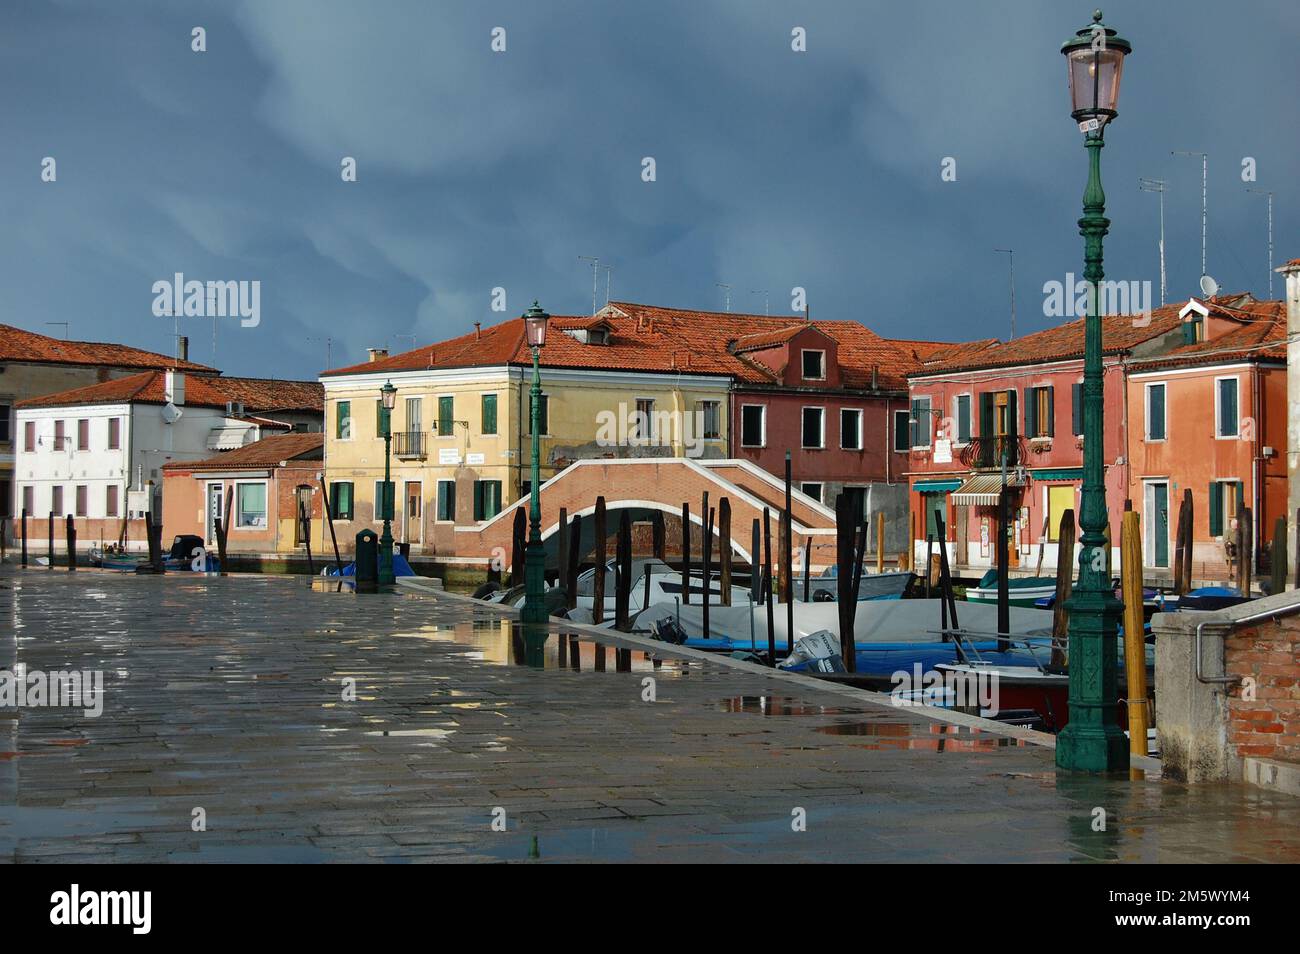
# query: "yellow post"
{"points": [[880, 542], [1135, 663]]}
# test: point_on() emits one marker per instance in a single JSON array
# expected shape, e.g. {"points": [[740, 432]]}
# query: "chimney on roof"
{"points": [[874, 368], [183, 348], [174, 387], [377, 353], [1291, 270], [478, 330]]}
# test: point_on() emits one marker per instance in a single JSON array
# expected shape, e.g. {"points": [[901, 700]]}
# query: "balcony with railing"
{"points": [[986, 453], [411, 445]]}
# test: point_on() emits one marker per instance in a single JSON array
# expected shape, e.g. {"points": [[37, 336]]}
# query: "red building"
{"points": [[1019, 401], [833, 394], [1211, 416]]}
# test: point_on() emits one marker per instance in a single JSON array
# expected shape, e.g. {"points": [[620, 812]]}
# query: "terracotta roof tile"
{"points": [[1120, 333], [257, 394], [1261, 336], [19, 345], [648, 338], [268, 452]]}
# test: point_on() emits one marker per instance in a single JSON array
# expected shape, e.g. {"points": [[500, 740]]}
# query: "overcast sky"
{"points": [[479, 169]]}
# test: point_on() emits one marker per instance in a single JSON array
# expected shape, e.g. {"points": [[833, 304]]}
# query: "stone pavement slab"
{"points": [[311, 725]]}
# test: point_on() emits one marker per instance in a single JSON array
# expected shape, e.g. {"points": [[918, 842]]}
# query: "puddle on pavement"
{"points": [[782, 706], [920, 737], [506, 642]]}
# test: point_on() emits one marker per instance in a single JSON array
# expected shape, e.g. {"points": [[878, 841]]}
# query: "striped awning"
{"points": [[982, 490]]}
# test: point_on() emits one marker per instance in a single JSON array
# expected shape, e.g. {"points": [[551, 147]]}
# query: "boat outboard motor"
{"points": [[183, 546]]}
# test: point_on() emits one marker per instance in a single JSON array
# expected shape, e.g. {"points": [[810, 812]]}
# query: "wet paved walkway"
{"points": [[227, 695]]}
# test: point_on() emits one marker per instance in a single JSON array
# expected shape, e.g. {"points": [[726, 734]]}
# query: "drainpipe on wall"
{"points": [[1257, 411], [1128, 462]]}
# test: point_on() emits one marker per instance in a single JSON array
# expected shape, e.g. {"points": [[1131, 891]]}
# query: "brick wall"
{"points": [[1267, 726]]}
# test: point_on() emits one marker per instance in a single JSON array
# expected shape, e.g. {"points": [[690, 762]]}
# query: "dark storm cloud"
{"points": [[477, 169]]}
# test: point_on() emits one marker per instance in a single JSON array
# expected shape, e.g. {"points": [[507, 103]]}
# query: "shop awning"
{"points": [[936, 486], [982, 490]]}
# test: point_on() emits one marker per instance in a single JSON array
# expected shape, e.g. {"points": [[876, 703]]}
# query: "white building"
{"points": [[96, 453]]}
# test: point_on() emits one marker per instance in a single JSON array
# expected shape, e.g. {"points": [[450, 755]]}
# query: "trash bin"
{"points": [[367, 557]]}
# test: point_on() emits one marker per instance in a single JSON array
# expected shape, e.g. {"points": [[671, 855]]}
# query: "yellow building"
{"points": [[613, 387]]}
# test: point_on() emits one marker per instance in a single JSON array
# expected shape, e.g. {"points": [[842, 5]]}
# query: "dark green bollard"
{"points": [[367, 558]]}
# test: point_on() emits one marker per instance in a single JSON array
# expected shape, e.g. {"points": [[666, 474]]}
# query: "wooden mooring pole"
{"points": [[71, 535], [1135, 664], [329, 519], [724, 549], [570, 570], [767, 591], [1064, 587], [623, 578], [686, 553], [598, 602]]}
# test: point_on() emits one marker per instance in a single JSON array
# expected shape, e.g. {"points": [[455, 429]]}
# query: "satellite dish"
{"points": [[171, 413], [1209, 287]]}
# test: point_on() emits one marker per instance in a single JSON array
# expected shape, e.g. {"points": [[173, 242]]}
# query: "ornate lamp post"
{"points": [[535, 554], [1092, 741], [388, 394]]}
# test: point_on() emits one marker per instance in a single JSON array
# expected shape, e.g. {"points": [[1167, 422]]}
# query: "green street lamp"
{"points": [[534, 611], [1092, 741], [388, 396]]}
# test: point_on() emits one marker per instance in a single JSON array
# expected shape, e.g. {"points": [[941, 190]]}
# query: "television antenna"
{"points": [[1265, 192], [1204, 169], [1158, 186], [595, 269], [726, 289]]}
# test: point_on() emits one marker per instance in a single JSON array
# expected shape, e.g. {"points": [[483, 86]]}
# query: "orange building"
{"points": [[266, 481], [1211, 416]]}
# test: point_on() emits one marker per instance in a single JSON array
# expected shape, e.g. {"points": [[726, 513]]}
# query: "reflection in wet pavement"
{"points": [[315, 725]]}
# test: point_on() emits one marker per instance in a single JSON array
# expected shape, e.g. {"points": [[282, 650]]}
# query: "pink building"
{"points": [[1016, 409]]}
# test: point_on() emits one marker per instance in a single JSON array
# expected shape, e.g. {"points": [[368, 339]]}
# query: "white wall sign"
{"points": [[448, 455], [474, 459], [942, 451]]}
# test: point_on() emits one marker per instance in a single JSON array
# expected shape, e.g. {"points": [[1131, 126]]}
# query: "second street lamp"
{"points": [[1092, 740], [388, 397], [534, 611]]}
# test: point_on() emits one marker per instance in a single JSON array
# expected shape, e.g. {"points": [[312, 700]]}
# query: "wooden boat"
{"points": [[1021, 591], [871, 586]]}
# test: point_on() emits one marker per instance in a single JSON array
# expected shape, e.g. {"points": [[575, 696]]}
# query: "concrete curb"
{"points": [[864, 696]]}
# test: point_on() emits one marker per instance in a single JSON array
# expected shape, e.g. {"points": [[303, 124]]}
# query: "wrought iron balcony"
{"points": [[410, 444], [986, 453]]}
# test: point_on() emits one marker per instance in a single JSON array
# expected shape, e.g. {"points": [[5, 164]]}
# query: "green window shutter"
{"points": [[1216, 509], [1227, 407], [963, 419], [342, 500], [478, 500], [1031, 412], [342, 420], [446, 411], [491, 499], [1013, 421], [1156, 413], [1076, 407], [489, 414], [1050, 429], [986, 414], [901, 432]]}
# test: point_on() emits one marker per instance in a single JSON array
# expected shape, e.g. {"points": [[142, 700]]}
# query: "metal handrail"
{"points": [[1228, 626], [959, 633]]}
